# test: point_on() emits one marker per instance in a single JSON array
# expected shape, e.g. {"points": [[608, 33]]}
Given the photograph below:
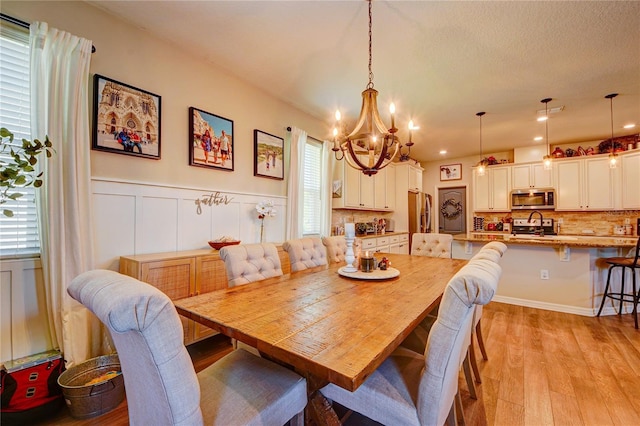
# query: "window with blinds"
{"points": [[18, 234], [312, 187]]}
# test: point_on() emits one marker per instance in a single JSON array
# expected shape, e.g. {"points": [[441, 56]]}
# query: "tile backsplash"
{"points": [[340, 217], [575, 223]]}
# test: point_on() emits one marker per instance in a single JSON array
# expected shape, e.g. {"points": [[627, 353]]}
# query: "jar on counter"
{"points": [[628, 230]]}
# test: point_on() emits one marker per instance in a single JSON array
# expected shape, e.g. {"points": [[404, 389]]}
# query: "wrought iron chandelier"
{"points": [[370, 146]]}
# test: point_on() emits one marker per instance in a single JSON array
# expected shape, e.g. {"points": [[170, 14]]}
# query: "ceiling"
{"points": [[439, 61]]}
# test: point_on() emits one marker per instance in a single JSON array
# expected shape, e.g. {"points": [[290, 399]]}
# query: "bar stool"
{"points": [[634, 296]]}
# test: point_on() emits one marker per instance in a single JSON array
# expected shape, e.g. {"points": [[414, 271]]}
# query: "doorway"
{"points": [[452, 210]]}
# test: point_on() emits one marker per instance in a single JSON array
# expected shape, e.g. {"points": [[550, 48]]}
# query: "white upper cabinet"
{"points": [[630, 168], [531, 176], [385, 188], [411, 174], [362, 192], [585, 184], [491, 191]]}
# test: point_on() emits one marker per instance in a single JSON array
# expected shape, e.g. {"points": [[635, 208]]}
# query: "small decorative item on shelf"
{"points": [[558, 153], [265, 209], [222, 242], [569, 152]]}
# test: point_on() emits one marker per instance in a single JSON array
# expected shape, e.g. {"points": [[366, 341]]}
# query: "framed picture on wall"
{"points": [[210, 140], [126, 119], [451, 172], [268, 155]]}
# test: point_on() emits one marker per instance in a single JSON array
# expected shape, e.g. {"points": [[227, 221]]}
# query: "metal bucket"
{"points": [[90, 400]]}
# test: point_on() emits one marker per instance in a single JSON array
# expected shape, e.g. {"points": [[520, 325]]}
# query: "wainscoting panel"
{"points": [[114, 224], [157, 224], [138, 218], [25, 329]]}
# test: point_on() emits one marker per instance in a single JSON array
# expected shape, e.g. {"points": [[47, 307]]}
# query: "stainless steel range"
{"points": [[523, 226]]}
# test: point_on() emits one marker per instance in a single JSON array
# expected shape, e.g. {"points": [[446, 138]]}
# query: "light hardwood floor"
{"points": [[544, 368]]}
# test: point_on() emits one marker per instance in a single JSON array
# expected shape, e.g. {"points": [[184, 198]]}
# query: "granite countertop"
{"points": [[585, 241]]}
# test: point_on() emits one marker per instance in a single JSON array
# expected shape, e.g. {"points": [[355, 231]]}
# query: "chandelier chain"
{"points": [[370, 85]]}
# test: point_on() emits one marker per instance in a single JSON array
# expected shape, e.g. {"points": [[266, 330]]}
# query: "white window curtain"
{"points": [[60, 109], [326, 181], [295, 204]]}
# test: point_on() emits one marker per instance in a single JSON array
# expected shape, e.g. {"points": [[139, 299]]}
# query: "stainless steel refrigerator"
{"points": [[420, 213]]}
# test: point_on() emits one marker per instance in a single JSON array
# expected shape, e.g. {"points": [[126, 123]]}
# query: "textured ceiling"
{"points": [[440, 62]]}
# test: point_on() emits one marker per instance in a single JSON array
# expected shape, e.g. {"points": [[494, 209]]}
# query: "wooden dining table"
{"points": [[327, 327]]}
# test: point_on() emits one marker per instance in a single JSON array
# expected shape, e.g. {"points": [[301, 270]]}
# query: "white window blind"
{"points": [[312, 187], [18, 234]]}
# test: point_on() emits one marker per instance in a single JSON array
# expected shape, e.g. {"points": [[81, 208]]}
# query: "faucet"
{"points": [[541, 229]]}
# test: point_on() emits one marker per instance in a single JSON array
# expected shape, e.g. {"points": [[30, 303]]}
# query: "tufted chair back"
{"points": [[247, 263], [305, 253], [336, 248], [432, 245]]}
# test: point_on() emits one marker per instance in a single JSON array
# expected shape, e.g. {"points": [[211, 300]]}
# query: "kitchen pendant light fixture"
{"points": [[482, 164], [546, 160], [370, 147], [613, 157]]}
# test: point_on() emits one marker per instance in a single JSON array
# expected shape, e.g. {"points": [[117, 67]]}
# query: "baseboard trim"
{"points": [[567, 309]]}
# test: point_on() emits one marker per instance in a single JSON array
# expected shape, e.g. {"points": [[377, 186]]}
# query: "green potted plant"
{"points": [[16, 166]]}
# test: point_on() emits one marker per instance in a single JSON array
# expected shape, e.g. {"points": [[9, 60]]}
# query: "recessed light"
{"points": [[629, 126], [537, 138], [443, 151], [542, 118]]}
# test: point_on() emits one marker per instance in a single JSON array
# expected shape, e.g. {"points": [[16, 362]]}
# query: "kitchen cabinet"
{"points": [[584, 184], [384, 183], [630, 169], [399, 244], [184, 274], [491, 191], [531, 176], [409, 176], [357, 188], [392, 243]]}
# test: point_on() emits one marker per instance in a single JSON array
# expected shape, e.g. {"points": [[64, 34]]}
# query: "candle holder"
{"points": [[349, 256]]}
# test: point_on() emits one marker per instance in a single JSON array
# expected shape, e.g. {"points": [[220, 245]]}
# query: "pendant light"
{"points": [[613, 157], [546, 160], [482, 164]]}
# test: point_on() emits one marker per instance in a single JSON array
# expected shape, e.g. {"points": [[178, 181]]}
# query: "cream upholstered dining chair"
{"points": [[161, 384], [431, 244], [336, 248], [246, 263], [305, 253], [420, 389], [492, 251]]}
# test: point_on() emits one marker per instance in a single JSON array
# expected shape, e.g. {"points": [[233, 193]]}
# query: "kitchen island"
{"points": [[563, 273]]}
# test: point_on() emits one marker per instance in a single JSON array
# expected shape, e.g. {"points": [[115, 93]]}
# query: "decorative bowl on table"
{"points": [[219, 244]]}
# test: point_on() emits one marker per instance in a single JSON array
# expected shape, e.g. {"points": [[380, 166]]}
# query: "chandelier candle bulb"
{"points": [[392, 110]]}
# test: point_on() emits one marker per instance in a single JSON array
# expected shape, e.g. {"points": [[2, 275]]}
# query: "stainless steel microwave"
{"points": [[533, 199]]}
